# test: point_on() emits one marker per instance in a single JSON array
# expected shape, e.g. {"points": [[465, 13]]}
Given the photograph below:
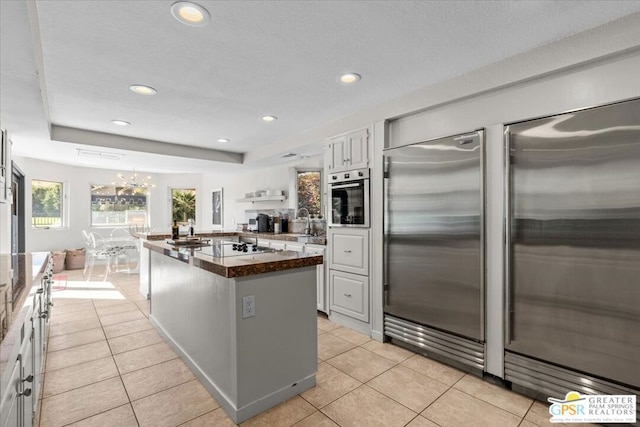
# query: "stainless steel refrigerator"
{"points": [[573, 252], [434, 248]]}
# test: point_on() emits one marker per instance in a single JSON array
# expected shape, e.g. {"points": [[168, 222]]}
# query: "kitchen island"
{"points": [[213, 236], [245, 323]]}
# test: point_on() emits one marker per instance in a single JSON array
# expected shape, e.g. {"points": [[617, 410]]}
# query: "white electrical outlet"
{"points": [[248, 306]]}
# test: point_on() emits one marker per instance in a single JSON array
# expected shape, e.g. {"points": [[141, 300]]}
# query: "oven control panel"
{"points": [[349, 175]]}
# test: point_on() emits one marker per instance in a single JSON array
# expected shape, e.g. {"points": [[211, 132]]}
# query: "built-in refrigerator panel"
{"points": [[433, 247], [573, 250]]}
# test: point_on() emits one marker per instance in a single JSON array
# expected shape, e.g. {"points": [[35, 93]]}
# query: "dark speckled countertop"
{"points": [[236, 266], [290, 237]]}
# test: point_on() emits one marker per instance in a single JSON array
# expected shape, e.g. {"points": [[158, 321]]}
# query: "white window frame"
{"points": [[293, 186], [170, 200]]}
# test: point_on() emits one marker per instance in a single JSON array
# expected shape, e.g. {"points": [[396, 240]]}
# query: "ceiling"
{"points": [[66, 68]]}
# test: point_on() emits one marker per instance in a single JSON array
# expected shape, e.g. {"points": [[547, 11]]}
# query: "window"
{"points": [[46, 204], [117, 206], [309, 190], [183, 205]]}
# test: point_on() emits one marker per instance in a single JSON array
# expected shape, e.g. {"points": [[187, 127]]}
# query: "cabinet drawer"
{"points": [[349, 251], [350, 294]]}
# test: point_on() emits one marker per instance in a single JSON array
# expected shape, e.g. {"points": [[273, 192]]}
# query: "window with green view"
{"points": [[309, 187], [183, 205], [46, 204]]}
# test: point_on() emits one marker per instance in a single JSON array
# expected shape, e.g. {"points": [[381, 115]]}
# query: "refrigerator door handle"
{"points": [[508, 317], [385, 231]]}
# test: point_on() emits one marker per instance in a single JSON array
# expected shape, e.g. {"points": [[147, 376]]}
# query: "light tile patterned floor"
{"points": [[107, 366]]}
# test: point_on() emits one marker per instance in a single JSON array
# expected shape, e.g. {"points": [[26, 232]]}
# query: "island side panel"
{"points": [[277, 348], [195, 310]]}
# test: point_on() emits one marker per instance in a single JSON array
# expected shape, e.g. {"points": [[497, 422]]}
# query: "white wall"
{"points": [[77, 184], [77, 181], [236, 185]]}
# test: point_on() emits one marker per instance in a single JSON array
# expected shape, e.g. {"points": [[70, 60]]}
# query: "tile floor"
{"points": [[107, 366]]}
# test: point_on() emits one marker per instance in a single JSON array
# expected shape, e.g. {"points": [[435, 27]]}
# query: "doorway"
{"points": [[17, 229]]}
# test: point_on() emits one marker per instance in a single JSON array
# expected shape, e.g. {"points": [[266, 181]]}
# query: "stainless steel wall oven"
{"points": [[349, 199]]}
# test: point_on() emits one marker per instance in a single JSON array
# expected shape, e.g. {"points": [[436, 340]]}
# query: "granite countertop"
{"points": [[240, 265], [290, 237]]}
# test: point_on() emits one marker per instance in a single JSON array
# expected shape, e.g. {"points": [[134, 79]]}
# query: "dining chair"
{"points": [[101, 250], [122, 238]]}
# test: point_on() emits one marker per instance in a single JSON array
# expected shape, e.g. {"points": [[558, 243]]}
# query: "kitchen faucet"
{"points": [[307, 229]]}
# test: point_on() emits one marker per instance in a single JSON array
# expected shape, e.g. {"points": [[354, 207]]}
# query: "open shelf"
{"points": [[262, 199]]}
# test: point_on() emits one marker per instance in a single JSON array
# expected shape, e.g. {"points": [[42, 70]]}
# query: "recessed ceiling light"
{"points": [[269, 118], [349, 78], [190, 13], [120, 122], [223, 140], [143, 90]]}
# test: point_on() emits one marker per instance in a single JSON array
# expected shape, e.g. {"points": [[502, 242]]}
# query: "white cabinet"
{"points": [[320, 273], [22, 384], [350, 294], [349, 250], [293, 246], [347, 152], [277, 245], [349, 276], [10, 407]]}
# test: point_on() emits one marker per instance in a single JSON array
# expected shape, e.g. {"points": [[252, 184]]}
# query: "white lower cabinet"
{"points": [[349, 250], [277, 245], [22, 372], [349, 294], [298, 247], [11, 404]]}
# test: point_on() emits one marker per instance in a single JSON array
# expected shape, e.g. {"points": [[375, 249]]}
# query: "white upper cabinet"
{"points": [[347, 152]]}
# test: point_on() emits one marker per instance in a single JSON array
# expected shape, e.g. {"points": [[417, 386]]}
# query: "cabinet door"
{"points": [[336, 154], [10, 405], [350, 294], [280, 246], [349, 250], [298, 247], [357, 149], [26, 364]]}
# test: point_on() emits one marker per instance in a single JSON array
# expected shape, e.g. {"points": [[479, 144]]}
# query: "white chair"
{"points": [[122, 238], [100, 249]]}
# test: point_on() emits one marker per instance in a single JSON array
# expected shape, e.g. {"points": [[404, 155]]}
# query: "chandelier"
{"points": [[132, 182]]}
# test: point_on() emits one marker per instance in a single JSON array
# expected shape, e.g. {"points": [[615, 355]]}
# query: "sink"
{"points": [[304, 238]]}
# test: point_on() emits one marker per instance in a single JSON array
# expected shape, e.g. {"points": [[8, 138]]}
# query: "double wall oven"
{"points": [[349, 199]]}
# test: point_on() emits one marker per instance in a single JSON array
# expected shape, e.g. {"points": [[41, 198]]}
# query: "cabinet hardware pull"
{"points": [[347, 251], [347, 295], [28, 379], [26, 392]]}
